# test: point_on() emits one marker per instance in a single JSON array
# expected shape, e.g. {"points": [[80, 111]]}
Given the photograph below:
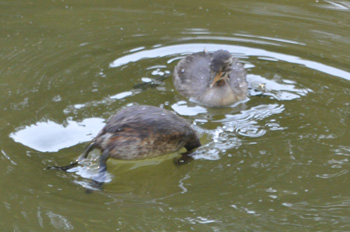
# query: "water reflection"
{"points": [[182, 108], [8, 157], [277, 88], [59, 222], [51, 137], [201, 220], [236, 50], [253, 123], [247, 122], [336, 5]]}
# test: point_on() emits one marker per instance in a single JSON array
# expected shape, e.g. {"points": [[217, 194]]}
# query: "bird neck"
{"points": [[220, 83], [218, 95]]}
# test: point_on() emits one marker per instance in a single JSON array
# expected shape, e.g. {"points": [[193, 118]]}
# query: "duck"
{"points": [[140, 132], [215, 79]]}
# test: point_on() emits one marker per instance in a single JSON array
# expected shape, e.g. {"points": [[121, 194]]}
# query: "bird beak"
{"points": [[217, 77]]}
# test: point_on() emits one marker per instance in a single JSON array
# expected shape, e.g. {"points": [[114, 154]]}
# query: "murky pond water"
{"points": [[276, 162]]}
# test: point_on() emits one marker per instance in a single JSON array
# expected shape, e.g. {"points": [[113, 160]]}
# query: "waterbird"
{"points": [[214, 79], [140, 132]]}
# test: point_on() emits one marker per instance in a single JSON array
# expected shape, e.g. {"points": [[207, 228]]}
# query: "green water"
{"points": [[276, 162]]}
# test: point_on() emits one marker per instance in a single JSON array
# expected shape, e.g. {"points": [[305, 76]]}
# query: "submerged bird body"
{"points": [[140, 132], [213, 79]]}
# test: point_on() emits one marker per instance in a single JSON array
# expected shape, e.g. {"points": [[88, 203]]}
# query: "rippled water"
{"points": [[278, 161]]}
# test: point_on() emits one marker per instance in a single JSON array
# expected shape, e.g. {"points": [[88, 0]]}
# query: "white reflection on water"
{"points": [[88, 169], [197, 47], [182, 184], [246, 210], [182, 108], [270, 38], [72, 109], [51, 137], [8, 157], [278, 89], [336, 5], [252, 123], [201, 220], [247, 122], [59, 222], [122, 95]]}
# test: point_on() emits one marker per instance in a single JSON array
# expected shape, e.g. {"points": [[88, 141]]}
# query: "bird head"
{"points": [[221, 66]]}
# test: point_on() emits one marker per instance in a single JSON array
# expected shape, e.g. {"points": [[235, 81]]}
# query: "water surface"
{"points": [[278, 161]]}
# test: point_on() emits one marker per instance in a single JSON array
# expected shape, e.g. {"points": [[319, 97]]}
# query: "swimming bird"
{"points": [[140, 132], [213, 79]]}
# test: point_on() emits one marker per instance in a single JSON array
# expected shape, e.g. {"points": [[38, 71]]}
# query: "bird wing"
{"points": [[192, 74]]}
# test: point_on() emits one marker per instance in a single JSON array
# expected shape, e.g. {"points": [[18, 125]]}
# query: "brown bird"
{"points": [[140, 132], [213, 79]]}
